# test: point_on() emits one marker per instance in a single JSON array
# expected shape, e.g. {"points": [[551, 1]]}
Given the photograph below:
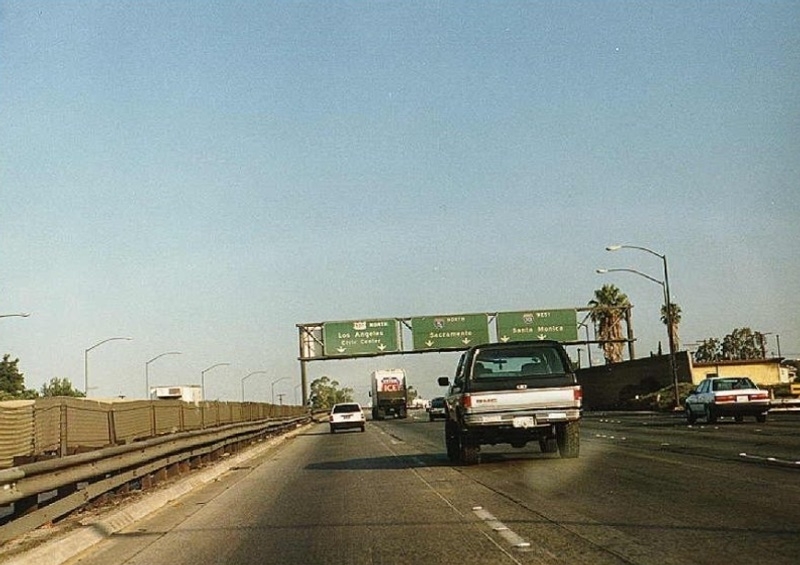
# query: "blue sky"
{"points": [[203, 176]]}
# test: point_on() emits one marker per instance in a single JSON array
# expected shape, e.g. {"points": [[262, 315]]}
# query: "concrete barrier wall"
{"points": [[48, 427], [605, 387]]}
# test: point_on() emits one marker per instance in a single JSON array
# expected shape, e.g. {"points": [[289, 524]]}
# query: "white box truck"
{"points": [[187, 393], [389, 394]]}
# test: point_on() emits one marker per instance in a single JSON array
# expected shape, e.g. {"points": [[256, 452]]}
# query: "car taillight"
{"points": [[759, 396], [577, 393], [466, 401], [725, 398]]}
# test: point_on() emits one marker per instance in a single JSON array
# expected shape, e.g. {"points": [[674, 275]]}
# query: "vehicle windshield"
{"points": [[523, 361], [437, 402], [341, 408]]}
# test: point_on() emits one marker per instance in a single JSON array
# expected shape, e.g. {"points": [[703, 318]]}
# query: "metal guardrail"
{"points": [[44, 491]]}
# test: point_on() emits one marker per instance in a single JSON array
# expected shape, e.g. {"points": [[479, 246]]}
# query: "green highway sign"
{"points": [[455, 331], [361, 337], [559, 325]]}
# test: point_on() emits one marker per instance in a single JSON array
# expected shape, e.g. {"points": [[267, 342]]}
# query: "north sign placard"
{"points": [[445, 332], [558, 325], [361, 337]]}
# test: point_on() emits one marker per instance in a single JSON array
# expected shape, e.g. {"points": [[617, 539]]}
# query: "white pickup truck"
{"points": [[512, 393]]}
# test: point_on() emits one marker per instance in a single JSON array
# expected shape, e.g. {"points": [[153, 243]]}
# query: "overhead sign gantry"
{"points": [[372, 337]]}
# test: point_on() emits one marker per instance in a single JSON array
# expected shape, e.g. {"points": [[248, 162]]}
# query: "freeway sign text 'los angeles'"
{"points": [[361, 337]]}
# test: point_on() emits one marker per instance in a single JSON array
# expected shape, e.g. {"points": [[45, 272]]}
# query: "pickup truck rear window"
{"points": [[510, 362]]}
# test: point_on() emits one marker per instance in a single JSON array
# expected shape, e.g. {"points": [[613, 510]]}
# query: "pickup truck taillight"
{"points": [[466, 401], [577, 393]]}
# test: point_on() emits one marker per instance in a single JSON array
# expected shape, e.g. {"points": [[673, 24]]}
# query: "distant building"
{"points": [[761, 371]]}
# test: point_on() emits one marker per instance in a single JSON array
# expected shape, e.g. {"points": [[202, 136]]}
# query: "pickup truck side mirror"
{"points": [[443, 381]]}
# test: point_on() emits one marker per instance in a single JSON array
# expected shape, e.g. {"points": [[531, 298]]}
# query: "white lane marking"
{"points": [[514, 539], [453, 507]]}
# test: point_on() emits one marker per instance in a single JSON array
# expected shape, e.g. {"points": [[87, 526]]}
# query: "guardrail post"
{"points": [[112, 428], [63, 446]]}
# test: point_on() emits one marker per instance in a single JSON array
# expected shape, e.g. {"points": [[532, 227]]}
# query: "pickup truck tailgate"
{"points": [[538, 406]]}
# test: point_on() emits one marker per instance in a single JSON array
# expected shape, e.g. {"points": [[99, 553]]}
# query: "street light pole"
{"points": [[21, 315], [203, 378], [273, 387], [86, 361], [668, 312], [247, 377], [147, 371]]}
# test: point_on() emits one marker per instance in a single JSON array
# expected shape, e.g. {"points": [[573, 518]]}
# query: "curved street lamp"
{"points": [[147, 370], [203, 378], [635, 272], [248, 376], [272, 386], [86, 360], [668, 312], [21, 315]]}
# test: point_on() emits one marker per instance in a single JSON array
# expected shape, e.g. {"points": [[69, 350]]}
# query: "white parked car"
{"points": [[347, 415], [727, 396]]}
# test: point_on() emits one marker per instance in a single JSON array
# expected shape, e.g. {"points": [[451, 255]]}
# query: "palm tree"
{"points": [[608, 309], [675, 316]]}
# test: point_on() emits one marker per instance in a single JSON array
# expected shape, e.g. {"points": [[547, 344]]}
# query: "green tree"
{"points": [[12, 382], [675, 315], [326, 392], [709, 351], [60, 387], [743, 343], [608, 309], [740, 344]]}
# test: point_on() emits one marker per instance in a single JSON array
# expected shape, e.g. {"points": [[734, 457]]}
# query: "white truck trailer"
{"points": [[187, 393], [389, 394]]}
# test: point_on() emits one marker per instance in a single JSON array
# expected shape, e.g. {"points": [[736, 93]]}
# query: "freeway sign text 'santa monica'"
{"points": [[558, 325]]}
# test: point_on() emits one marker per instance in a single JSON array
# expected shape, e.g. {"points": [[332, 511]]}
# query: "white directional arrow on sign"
{"points": [[341, 349], [429, 343], [466, 341], [381, 347], [505, 338]]}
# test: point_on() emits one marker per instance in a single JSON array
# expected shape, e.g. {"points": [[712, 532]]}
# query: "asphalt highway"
{"points": [[646, 490]]}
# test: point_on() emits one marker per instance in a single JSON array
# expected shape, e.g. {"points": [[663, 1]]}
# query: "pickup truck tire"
{"points": [[451, 441], [469, 452], [568, 438]]}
